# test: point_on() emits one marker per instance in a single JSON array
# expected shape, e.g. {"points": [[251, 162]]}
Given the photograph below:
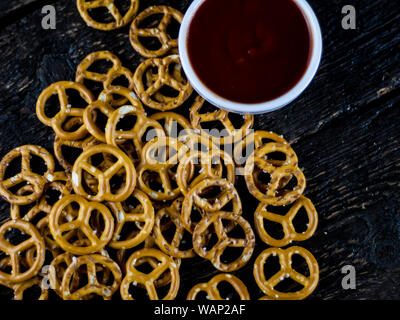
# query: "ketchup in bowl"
{"points": [[249, 51]]}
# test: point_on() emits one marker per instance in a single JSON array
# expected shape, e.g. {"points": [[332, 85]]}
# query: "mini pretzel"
{"points": [[90, 120], [127, 97], [171, 247], [171, 122], [81, 222], [194, 199], [256, 140], [200, 236], [144, 214], [159, 32], [60, 181], [164, 78], [20, 288], [136, 134], [66, 110], [158, 157], [84, 7], [134, 276], [26, 175], [206, 160], [94, 286], [211, 287], [14, 251], [104, 188], [286, 221], [234, 134], [285, 259], [274, 193]]}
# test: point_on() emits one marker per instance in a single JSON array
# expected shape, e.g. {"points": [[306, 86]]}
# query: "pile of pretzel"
{"points": [[139, 192]]}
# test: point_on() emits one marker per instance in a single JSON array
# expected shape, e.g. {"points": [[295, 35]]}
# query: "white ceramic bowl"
{"points": [[255, 108]]}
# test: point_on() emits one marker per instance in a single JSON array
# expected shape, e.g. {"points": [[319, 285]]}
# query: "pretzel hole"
{"points": [[210, 238], [121, 81], [101, 15], [100, 119], [129, 231], [126, 123], [70, 154], [13, 168], [301, 220], [117, 181], [37, 164], [288, 186], [83, 275], [143, 265], [5, 265], [89, 184], [96, 222], [227, 291], [162, 291], [52, 106], [235, 231], [271, 266], [150, 43], [231, 254], [104, 275], [32, 293], [300, 265], [138, 292], [52, 195], [15, 236], [195, 215], [288, 285], [75, 99], [274, 229], [173, 28], [94, 86], [236, 119], [165, 91], [69, 213], [214, 128]]}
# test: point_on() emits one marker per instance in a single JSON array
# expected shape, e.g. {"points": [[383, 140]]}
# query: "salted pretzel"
{"points": [[200, 237], [94, 286], [127, 96], [171, 122], [158, 157], [171, 246], [286, 271], [136, 134], [286, 221], [232, 134], [164, 78], [123, 162], [275, 194], [211, 287], [84, 7], [143, 214], [195, 199], [59, 225], [89, 118], [14, 251], [27, 174], [60, 181], [133, 276], [66, 110], [20, 288], [207, 162], [160, 31], [253, 141]]}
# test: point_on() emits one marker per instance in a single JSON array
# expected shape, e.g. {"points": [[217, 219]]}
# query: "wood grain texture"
{"points": [[344, 129]]}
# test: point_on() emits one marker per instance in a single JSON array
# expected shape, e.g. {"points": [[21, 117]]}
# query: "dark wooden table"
{"points": [[344, 128]]}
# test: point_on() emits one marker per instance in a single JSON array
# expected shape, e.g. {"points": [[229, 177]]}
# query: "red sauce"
{"points": [[249, 51]]}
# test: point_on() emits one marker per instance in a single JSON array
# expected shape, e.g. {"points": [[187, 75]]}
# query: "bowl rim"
{"points": [[254, 108]]}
